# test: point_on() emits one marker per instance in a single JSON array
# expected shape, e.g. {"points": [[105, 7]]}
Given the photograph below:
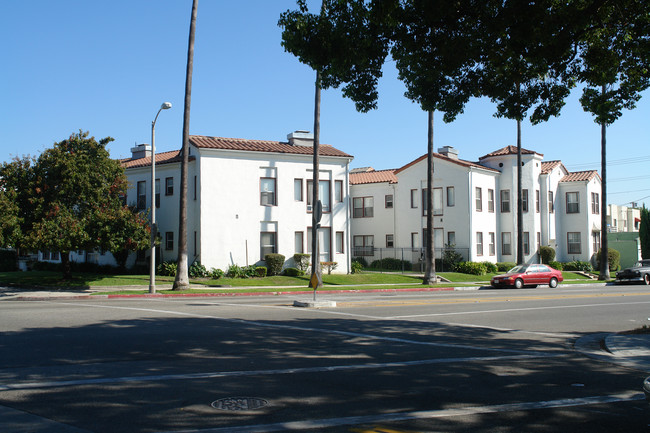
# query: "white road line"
{"points": [[244, 373], [508, 310], [318, 330], [431, 414]]}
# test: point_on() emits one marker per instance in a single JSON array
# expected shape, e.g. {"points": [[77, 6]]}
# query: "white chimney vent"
{"points": [[448, 151], [141, 151], [301, 138]]}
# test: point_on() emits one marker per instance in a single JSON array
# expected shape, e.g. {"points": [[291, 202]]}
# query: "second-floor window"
{"points": [[537, 201], [437, 201], [451, 196], [505, 200], [414, 198], [169, 186], [297, 190], [323, 194], [572, 202], [142, 195], [267, 191], [157, 193], [595, 203], [551, 202], [524, 200], [362, 207], [479, 199], [490, 200]]}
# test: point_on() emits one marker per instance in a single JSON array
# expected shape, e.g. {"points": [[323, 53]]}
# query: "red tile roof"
{"points": [[446, 158], [203, 142], [161, 158], [548, 166], [373, 176], [509, 150], [580, 176]]}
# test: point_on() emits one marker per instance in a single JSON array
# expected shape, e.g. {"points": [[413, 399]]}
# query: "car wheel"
{"points": [[519, 283], [646, 279], [553, 283]]}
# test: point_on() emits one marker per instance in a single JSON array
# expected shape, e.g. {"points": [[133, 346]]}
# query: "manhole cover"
{"points": [[239, 403]]}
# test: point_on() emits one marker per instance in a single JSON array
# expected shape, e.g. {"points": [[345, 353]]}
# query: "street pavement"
{"points": [[627, 349]]}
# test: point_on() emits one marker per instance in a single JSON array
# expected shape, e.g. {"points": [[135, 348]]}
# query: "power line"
{"points": [[613, 162]]}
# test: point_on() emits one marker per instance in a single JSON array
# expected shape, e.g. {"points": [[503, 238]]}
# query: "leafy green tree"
{"points": [[16, 180], [76, 193], [615, 67], [527, 65], [644, 232], [9, 224]]}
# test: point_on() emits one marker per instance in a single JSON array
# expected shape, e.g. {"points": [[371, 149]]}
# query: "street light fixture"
{"points": [[154, 228]]}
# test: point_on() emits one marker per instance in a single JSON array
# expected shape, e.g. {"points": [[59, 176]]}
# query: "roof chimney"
{"points": [[141, 151], [301, 138], [448, 151]]}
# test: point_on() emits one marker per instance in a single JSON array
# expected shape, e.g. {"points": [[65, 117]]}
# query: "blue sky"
{"points": [[106, 66]]}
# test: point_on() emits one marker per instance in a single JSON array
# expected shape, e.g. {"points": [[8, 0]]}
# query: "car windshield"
{"points": [[518, 269], [642, 264]]}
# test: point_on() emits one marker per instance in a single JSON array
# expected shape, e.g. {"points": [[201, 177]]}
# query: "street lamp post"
{"points": [[154, 229]]}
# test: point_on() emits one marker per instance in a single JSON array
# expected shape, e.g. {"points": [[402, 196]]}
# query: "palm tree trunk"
{"points": [[604, 255], [182, 281], [429, 254]]}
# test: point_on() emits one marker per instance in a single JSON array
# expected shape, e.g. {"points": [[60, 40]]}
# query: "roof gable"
{"points": [[372, 176], [441, 157], [581, 176], [509, 150]]}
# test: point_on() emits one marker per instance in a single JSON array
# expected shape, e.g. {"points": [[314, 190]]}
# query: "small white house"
{"points": [[246, 199]]}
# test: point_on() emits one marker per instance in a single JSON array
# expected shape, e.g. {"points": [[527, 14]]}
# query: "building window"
{"points": [[505, 200], [437, 201], [414, 198], [364, 245], [539, 240], [506, 244], [323, 194], [390, 243], [339, 242], [491, 245], [451, 196], [414, 240], [551, 202], [267, 243], [267, 191], [362, 207], [169, 241], [573, 243], [195, 191], [526, 243], [298, 242], [142, 195], [596, 241], [297, 190], [157, 183], [537, 200], [479, 243], [388, 200], [479, 199], [451, 239], [572, 202], [338, 191], [524, 200], [595, 203], [169, 186], [490, 200]]}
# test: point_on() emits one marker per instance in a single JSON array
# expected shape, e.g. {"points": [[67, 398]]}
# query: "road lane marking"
{"points": [[421, 415], [272, 372]]}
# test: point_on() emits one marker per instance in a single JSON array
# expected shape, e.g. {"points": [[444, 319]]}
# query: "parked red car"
{"points": [[528, 275]]}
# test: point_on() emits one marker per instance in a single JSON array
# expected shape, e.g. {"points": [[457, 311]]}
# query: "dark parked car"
{"points": [[528, 275], [640, 272]]}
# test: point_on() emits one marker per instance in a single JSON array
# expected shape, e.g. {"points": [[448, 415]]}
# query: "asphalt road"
{"points": [[479, 361]]}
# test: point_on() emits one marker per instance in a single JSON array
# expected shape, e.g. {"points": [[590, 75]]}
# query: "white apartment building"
{"points": [[246, 198], [475, 208], [623, 218]]}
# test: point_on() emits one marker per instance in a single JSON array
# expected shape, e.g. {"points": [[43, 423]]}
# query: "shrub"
{"points": [[472, 268], [235, 271], [556, 265], [505, 266], [391, 264], [167, 269], [357, 267], [197, 270], [490, 267], [450, 258], [577, 265], [274, 263], [361, 260], [613, 257], [547, 253], [215, 274], [330, 266], [302, 261], [293, 272]]}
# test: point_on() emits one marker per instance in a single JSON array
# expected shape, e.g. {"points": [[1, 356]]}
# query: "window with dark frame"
{"points": [[362, 207], [297, 190], [323, 194], [388, 200], [524, 200], [537, 209], [572, 202], [340, 237], [526, 243], [157, 193], [142, 195], [451, 239], [551, 202], [390, 242], [363, 245], [338, 191], [506, 243], [595, 203], [169, 186], [437, 201], [490, 200], [414, 198], [479, 199], [267, 191], [299, 247], [574, 243], [505, 200], [268, 244], [451, 196], [169, 241]]}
